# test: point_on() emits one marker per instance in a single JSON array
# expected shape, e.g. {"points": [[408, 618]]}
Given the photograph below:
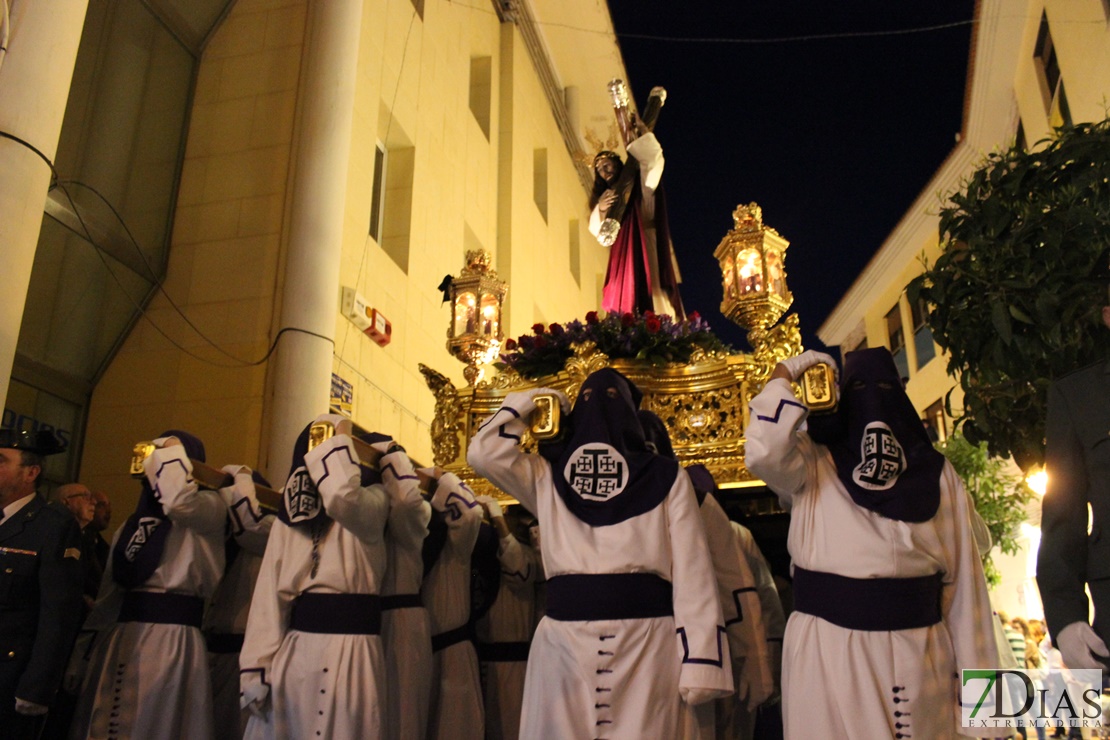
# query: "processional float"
{"points": [[702, 399]]}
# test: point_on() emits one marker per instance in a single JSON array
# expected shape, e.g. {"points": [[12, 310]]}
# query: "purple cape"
{"points": [[613, 476], [882, 452]]}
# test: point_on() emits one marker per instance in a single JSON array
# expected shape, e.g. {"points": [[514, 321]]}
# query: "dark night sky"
{"points": [[834, 138]]}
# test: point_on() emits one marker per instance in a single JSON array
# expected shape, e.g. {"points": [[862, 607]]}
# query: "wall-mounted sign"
{"points": [[342, 396]]}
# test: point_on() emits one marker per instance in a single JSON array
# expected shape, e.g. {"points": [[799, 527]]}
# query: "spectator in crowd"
{"points": [[40, 585]]}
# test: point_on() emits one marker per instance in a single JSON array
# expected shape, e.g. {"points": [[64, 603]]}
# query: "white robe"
{"points": [[227, 611], [151, 680], [511, 618], [331, 684], [734, 719], [836, 681], [651, 659], [456, 704], [743, 614], [407, 632]]}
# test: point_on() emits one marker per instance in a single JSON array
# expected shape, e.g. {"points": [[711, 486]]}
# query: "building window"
{"points": [[922, 335], [480, 86], [1048, 72], [377, 197], [397, 206], [897, 339], [936, 423], [574, 237], [539, 180]]}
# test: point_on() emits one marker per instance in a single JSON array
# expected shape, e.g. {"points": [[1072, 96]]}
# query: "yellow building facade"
{"points": [[267, 156], [1033, 66]]}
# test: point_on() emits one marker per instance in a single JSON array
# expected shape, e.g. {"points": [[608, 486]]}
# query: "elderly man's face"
{"points": [[103, 514], [79, 500]]}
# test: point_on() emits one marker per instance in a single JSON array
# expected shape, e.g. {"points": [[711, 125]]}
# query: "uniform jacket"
{"points": [[40, 600], [1077, 458]]}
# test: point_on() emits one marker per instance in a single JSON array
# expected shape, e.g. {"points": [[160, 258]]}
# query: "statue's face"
{"points": [[607, 168]]}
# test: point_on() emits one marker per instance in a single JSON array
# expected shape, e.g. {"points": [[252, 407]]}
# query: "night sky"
{"points": [[833, 137]]}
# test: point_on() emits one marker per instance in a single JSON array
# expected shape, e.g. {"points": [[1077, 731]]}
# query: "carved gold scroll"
{"points": [[704, 403]]}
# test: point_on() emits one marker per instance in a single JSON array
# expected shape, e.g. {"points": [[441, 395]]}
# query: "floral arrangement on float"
{"points": [[653, 338]]}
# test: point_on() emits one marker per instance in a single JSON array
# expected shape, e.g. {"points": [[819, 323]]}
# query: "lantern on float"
{"points": [[753, 273], [476, 332]]}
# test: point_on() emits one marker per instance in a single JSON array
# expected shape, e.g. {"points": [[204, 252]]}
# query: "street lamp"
{"points": [[476, 332]]}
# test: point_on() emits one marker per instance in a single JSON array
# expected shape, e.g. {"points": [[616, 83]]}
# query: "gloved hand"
{"points": [[255, 697], [1081, 647], [491, 505], [694, 696], [29, 708], [564, 402], [386, 446], [796, 366]]}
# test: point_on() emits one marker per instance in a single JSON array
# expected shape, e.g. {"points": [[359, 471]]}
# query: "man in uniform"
{"points": [[40, 585], [1077, 458]]}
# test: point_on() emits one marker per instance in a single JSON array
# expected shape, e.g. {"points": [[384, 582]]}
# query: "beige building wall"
{"points": [[1007, 94], [477, 155]]}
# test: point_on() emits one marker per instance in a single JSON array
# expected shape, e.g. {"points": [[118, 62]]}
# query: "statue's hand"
{"points": [[606, 201]]}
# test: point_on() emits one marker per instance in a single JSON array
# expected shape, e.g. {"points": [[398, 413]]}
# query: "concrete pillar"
{"points": [[34, 87], [300, 371]]}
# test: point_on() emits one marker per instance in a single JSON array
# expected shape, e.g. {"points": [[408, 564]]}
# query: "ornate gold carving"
{"points": [[445, 426], [587, 359]]}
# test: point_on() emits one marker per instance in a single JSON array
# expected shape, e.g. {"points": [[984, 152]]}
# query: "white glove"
{"points": [[1081, 647], [383, 446], [255, 697], [564, 402], [694, 696], [796, 366], [491, 505], [29, 708]]}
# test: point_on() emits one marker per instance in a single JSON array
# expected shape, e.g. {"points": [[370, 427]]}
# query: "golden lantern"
{"points": [[476, 332], [752, 270]]}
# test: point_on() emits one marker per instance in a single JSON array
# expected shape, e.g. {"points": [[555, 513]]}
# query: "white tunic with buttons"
{"points": [[227, 612], [456, 705], [321, 685], [510, 619], [407, 632], [151, 680], [611, 678], [841, 682]]}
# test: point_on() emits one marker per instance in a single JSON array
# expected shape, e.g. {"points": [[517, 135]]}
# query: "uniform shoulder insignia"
{"points": [[72, 552]]}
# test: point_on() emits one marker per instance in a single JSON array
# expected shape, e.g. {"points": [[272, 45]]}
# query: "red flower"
{"points": [[591, 317], [653, 324], [541, 342], [627, 319], [538, 328], [694, 316], [649, 314], [510, 344], [556, 330]]}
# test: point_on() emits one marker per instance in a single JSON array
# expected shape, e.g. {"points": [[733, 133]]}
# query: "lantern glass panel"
{"points": [[490, 316], [776, 276], [749, 269], [727, 267], [466, 315]]}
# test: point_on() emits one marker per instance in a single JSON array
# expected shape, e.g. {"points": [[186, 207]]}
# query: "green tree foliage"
{"points": [[1015, 297], [1000, 497]]}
